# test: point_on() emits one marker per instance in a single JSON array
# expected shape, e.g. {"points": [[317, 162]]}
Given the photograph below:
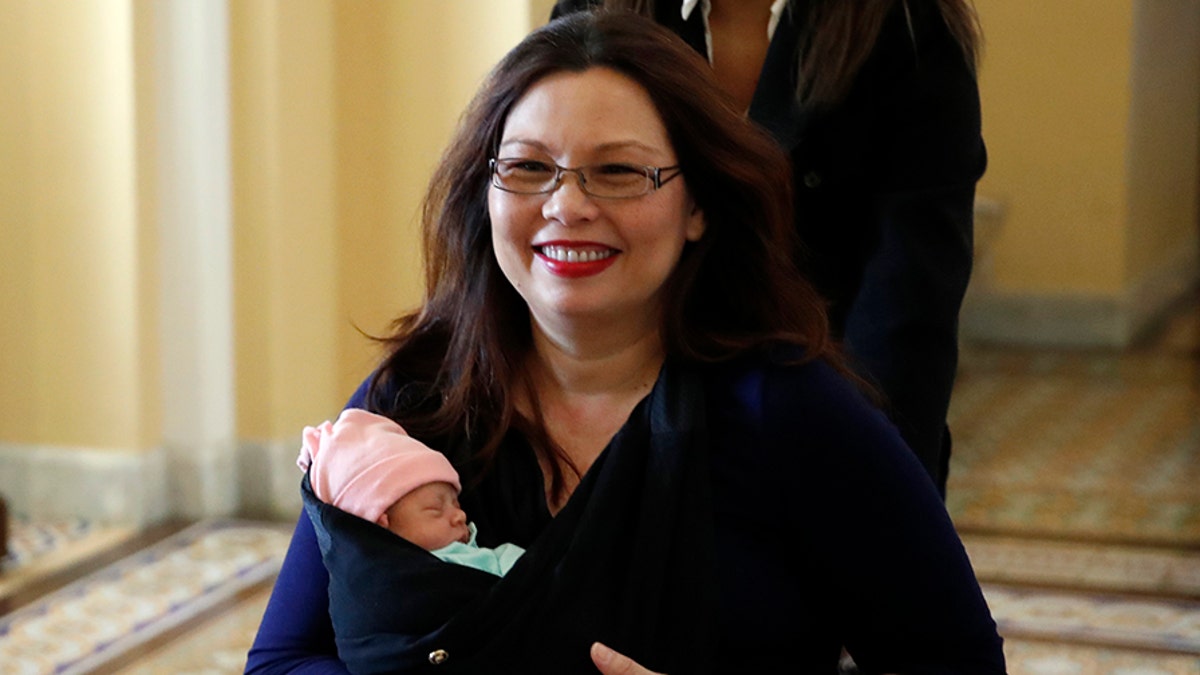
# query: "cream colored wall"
{"points": [[1055, 96], [539, 11], [18, 372], [285, 228], [1092, 119], [406, 70], [77, 352], [340, 112]]}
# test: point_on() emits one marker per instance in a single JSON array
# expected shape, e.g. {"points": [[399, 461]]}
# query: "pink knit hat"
{"points": [[363, 463]]}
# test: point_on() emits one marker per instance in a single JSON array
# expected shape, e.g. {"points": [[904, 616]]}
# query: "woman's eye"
{"points": [[529, 166], [618, 170]]}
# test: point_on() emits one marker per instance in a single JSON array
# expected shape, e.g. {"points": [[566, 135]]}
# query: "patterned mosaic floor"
{"points": [[123, 606], [1082, 445], [216, 647], [37, 549], [1033, 658], [1078, 446]]}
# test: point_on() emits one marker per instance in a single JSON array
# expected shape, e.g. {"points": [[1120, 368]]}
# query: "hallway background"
{"points": [[206, 205]]}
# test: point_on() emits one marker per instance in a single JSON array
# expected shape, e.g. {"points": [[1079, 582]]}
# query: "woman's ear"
{"points": [[695, 224]]}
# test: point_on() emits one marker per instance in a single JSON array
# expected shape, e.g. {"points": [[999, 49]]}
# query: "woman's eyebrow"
{"points": [[603, 147], [624, 145], [523, 141]]}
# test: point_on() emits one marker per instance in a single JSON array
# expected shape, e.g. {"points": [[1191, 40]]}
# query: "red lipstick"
{"points": [[575, 260]]}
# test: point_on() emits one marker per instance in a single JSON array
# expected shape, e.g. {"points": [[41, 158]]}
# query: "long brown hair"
{"points": [[454, 368], [837, 36]]}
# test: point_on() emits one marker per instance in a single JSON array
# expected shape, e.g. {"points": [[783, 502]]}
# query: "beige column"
{"points": [[192, 178]]}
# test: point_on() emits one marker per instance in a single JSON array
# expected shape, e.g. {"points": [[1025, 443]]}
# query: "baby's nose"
{"points": [[460, 516]]}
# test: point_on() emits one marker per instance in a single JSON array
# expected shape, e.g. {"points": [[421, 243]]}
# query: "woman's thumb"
{"points": [[610, 662]]}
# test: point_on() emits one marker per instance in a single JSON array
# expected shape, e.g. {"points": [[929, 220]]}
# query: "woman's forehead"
{"points": [[598, 108]]}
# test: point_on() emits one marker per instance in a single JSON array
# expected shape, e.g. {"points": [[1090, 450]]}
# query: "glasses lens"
{"points": [[617, 180], [528, 176], [537, 176]]}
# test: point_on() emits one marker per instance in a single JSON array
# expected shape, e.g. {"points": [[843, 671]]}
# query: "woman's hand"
{"points": [[610, 662]]}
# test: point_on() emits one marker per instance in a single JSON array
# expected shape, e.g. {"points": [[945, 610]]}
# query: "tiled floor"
{"points": [[187, 588], [1085, 446], [1097, 447], [1075, 484]]}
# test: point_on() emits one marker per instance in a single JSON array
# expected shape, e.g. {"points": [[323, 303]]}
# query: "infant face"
{"points": [[430, 517]]}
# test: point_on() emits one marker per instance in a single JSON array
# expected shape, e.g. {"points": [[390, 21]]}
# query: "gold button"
{"points": [[438, 656]]}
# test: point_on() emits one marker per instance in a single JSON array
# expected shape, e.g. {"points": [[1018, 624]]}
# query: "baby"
{"points": [[367, 465]]}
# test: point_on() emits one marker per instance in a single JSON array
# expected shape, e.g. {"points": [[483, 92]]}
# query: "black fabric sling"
{"points": [[628, 561]]}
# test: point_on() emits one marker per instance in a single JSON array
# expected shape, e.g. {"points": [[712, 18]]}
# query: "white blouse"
{"points": [[706, 6]]}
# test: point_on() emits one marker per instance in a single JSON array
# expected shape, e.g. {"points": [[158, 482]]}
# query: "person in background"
{"points": [[618, 356], [876, 103]]}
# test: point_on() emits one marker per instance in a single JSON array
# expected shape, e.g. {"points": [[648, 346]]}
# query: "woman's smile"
{"points": [[575, 259]]}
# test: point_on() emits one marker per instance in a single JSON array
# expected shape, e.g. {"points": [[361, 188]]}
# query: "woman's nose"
{"points": [[568, 203]]}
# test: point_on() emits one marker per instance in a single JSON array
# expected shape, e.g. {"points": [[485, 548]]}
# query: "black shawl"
{"points": [[628, 561]]}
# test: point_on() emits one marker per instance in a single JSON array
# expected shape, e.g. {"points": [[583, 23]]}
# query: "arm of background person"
{"points": [[902, 326]]}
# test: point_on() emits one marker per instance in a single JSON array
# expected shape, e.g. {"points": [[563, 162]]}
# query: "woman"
{"points": [[615, 352], [877, 104]]}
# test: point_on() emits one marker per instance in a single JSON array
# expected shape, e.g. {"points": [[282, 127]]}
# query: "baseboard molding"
{"points": [[104, 486], [269, 479], [202, 482], [142, 488], [1060, 320]]}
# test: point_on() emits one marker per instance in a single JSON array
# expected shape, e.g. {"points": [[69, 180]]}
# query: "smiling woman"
{"points": [[579, 260], [638, 388]]}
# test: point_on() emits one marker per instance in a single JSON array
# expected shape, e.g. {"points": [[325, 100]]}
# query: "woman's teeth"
{"points": [[572, 255]]}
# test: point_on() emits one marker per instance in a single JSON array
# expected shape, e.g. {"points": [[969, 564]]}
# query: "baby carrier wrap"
{"points": [[628, 561]]}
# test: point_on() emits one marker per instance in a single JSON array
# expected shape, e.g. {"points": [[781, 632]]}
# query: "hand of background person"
{"points": [[611, 662]]}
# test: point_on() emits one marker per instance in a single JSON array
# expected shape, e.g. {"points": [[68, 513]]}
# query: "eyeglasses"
{"points": [[607, 181]]}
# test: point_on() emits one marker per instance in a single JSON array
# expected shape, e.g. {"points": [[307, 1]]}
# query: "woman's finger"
{"points": [[611, 662]]}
